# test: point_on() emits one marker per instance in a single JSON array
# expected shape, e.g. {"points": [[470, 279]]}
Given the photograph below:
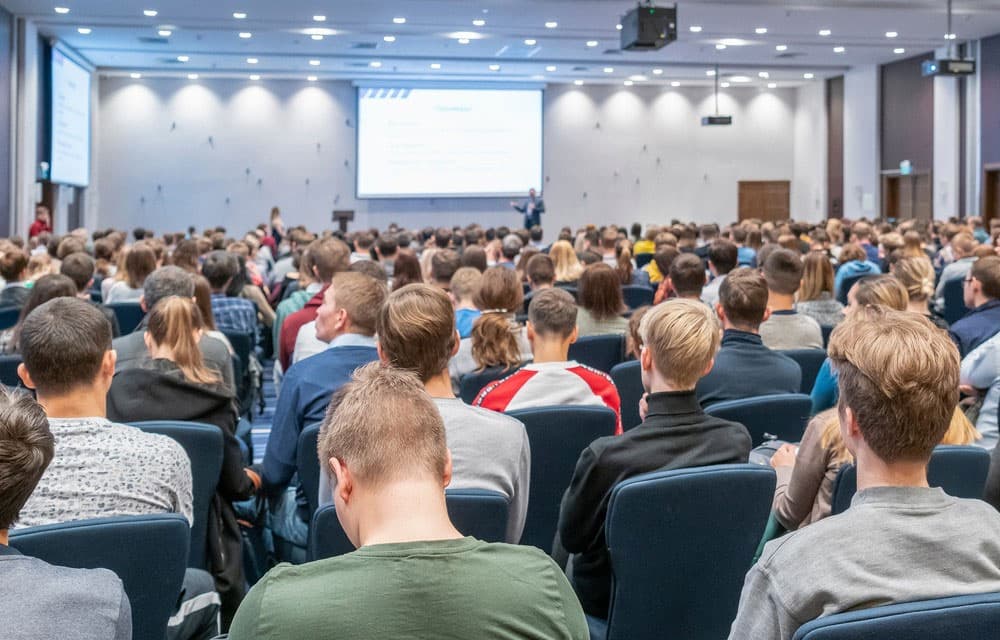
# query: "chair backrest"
{"points": [[782, 415], [203, 445], [954, 300], [478, 513], [846, 285], [973, 616], [308, 463], [148, 553], [600, 352], [960, 470], [810, 361], [827, 329], [636, 295], [556, 435], [129, 315], [9, 316], [573, 291], [243, 344], [8, 370], [681, 543], [627, 377], [642, 259], [471, 384]]}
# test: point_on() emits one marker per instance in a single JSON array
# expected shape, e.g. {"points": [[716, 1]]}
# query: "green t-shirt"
{"points": [[446, 589]]}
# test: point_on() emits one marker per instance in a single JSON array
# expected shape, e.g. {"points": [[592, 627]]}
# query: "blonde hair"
{"points": [[174, 323], [465, 283], [567, 266], [682, 336], [916, 274], [494, 341], [881, 290]]}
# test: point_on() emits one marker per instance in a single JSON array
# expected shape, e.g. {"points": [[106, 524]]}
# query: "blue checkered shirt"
{"points": [[234, 315]]}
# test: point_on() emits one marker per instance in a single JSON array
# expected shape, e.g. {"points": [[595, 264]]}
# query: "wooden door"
{"points": [[991, 194], [765, 199], [906, 197]]}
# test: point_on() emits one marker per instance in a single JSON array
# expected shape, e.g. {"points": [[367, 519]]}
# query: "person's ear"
{"points": [[148, 340], [446, 479], [530, 330], [382, 357], [719, 311], [142, 303], [708, 369], [108, 363], [458, 343], [574, 334], [850, 431], [645, 359], [344, 488], [22, 373], [767, 314]]}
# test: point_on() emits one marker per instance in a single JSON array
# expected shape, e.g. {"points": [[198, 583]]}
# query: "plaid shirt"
{"points": [[235, 315]]}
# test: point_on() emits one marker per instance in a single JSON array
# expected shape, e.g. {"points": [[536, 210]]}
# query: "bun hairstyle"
{"points": [[494, 334], [174, 323], [917, 275]]}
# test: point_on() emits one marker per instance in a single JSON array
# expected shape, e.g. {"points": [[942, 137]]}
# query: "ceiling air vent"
{"points": [[790, 55], [152, 40], [612, 52], [363, 45], [580, 69]]}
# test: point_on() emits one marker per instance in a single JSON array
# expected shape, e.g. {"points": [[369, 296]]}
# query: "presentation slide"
{"points": [[449, 142], [70, 122]]}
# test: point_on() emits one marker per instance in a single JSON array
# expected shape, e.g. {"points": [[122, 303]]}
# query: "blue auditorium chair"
{"points": [[642, 259], [954, 300], [9, 317], [827, 330], [637, 295], [308, 464], [972, 616], [129, 315], [783, 415], [471, 384], [203, 444], [601, 352], [846, 285], [478, 513], [148, 553], [810, 361], [960, 470], [627, 377], [556, 435], [243, 346], [8, 370], [681, 543], [569, 288]]}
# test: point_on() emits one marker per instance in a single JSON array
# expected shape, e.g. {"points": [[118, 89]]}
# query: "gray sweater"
{"points": [[895, 544], [791, 330]]}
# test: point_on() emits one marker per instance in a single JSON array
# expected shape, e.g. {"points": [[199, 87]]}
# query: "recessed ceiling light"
{"points": [[592, 43], [760, 30], [531, 42], [192, 76], [781, 47], [316, 36], [150, 13], [494, 67], [638, 78], [463, 41], [950, 36], [551, 68], [899, 50], [808, 76], [695, 28], [609, 69], [84, 31], [314, 63], [479, 22], [255, 77], [164, 33], [825, 32], [618, 26], [319, 18], [552, 24], [435, 65], [375, 64], [772, 85], [675, 84], [657, 72], [764, 74], [240, 15], [312, 78], [724, 85], [135, 76], [628, 83], [734, 42], [389, 38], [710, 73], [252, 60], [891, 34], [720, 46], [839, 49], [246, 35], [399, 20], [62, 10], [578, 83], [740, 79], [183, 58]]}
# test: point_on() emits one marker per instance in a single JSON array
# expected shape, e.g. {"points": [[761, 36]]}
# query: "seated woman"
{"points": [[917, 275], [567, 265], [816, 293], [45, 289], [853, 262], [139, 263], [600, 302], [176, 385]]}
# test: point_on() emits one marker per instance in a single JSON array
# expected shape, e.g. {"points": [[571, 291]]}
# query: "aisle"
{"points": [[261, 425]]}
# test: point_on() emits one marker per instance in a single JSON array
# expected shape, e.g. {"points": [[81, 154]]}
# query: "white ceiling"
{"points": [[123, 40]]}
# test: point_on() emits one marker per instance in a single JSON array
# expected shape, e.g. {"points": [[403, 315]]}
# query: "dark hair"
{"points": [[218, 269], [665, 257], [371, 269], [540, 270], [63, 343], [78, 267], [12, 264], [203, 298], [26, 449], [405, 270], [386, 245], [536, 233], [724, 256], [987, 271], [444, 264], [474, 256], [139, 263], [687, 275], [743, 296], [416, 329], [783, 271], [186, 255], [600, 291], [70, 245]]}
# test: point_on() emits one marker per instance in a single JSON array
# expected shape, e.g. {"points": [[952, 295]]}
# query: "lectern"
{"points": [[342, 218]]}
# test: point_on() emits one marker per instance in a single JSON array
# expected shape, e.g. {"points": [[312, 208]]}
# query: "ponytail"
{"points": [[173, 323], [624, 264], [494, 341]]}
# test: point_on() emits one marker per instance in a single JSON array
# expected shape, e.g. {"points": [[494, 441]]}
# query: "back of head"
{"points": [[140, 262], [442, 237], [12, 264], [371, 269], [687, 275], [852, 252], [963, 244], [861, 230], [218, 269], [987, 272], [609, 238], [880, 291], [360, 296], [783, 271], [898, 374], [500, 290], [511, 246], [26, 449], [552, 313], [70, 245], [567, 266], [682, 337], [406, 270], [817, 276], [474, 256], [63, 343], [174, 323], [444, 264], [536, 233], [165, 282], [664, 257], [743, 296], [78, 267], [416, 330], [540, 270], [724, 256], [916, 274], [328, 256], [465, 283], [48, 287], [601, 292]]}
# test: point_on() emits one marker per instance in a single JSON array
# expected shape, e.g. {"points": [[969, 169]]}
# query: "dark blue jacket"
{"points": [[305, 394], [976, 327], [745, 368]]}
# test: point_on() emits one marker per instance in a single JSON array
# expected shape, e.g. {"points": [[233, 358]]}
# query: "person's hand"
{"points": [[784, 456], [254, 477], [643, 407], [513, 204], [968, 390]]}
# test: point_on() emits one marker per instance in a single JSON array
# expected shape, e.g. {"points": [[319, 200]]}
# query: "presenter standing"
{"points": [[532, 208]]}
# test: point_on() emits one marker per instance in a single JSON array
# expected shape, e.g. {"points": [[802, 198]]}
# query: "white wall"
{"points": [[173, 153], [809, 180], [947, 145], [861, 142]]}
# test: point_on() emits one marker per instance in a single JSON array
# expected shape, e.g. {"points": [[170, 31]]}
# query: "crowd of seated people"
{"points": [[373, 334]]}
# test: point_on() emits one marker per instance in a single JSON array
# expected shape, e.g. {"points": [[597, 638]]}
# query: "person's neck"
{"points": [[689, 296], [608, 253], [82, 402], [465, 305], [875, 472], [780, 301], [550, 350], [440, 386], [218, 292], [728, 326], [541, 285], [405, 511], [918, 306], [83, 295], [979, 300], [659, 384], [4, 537]]}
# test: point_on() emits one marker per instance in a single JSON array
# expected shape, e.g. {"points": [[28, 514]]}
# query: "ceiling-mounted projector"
{"points": [[648, 28], [949, 67]]}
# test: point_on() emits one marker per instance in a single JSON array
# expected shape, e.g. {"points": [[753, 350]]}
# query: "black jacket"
{"points": [[676, 434], [745, 368], [159, 391]]}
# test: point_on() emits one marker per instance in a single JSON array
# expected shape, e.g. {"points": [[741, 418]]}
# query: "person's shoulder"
{"points": [[455, 409], [148, 446], [591, 375], [90, 588]]}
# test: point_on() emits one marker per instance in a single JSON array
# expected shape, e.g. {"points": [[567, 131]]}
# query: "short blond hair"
{"points": [[465, 283], [384, 428], [361, 296], [683, 336]]}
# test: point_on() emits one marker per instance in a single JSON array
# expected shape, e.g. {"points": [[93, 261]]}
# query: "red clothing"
{"points": [[290, 328], [39, 226]]}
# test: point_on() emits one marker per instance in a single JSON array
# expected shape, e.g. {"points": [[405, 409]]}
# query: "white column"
{"points": [[862, 162], [25, 141], [947, 146]]}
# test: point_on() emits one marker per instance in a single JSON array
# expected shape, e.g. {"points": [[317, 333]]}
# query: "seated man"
{"points": [[982, 297], [41, 600], [416, 332], [540, 273], [233, 315], [680, 339], [963, 247], [552, 379], [346, 321], [687, 276], [901, 540], [444, 264], [413, 575], [464, 285], [722, 257], [163, 283], [14, 271], [102, 469], [786, 328], [744, 367], [79, 267]]}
